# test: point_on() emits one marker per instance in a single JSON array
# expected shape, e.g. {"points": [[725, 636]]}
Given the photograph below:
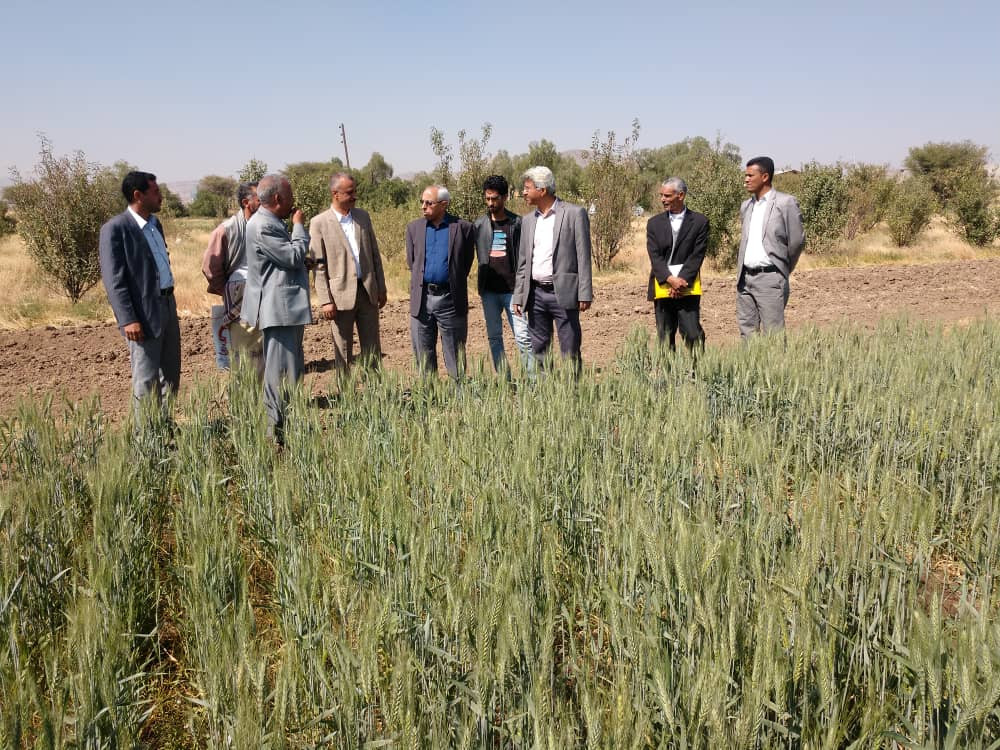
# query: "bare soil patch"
{"points": [[75, 363]]}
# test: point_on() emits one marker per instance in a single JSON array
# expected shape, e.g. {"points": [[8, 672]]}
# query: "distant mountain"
{"points": [[185, 189]]}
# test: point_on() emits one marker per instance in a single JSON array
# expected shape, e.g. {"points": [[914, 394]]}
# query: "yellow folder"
{"points": [[663, 292]]}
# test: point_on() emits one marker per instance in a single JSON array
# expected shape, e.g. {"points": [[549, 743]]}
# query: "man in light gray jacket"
{"points": [[276, 297], [772, 241], [553, 284]]}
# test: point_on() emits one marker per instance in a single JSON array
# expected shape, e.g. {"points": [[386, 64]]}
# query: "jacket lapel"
{"points": [[560, 213]]}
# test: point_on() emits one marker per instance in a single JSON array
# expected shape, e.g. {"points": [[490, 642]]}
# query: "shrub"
{"points": [[252, 171], [612, 189], [944, 165], [390, 227], [909, 210], [869, 190], [59, 216], [824, 201], [7, 223], [216, 197], [173, 206], [972, 203], [466, 186], [716, 185]]}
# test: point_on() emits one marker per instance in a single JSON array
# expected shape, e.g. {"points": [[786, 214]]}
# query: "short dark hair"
{"points": [[497, 182], [764, 164], [136, 181], [244, 191]]}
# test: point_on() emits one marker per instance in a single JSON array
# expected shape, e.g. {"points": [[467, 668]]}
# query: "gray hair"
{"points": [[542, 178], [269, 186], [442, 192], [676, 183], [338, 176]]}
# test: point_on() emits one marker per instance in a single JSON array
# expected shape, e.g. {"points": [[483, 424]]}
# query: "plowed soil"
{"points": [[74, 363]]}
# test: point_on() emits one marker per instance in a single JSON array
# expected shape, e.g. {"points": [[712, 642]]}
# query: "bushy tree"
{"points": [[676, 160], [465, 185], [567, 171], [716, 190], [973, 204], [7, 223], [869, 190], [612, 189], [252, 171], [215, 197], [824, 200], [311, 184], [909, 210], [173, 206], [389, 224], [59, 216], [944, 164]]}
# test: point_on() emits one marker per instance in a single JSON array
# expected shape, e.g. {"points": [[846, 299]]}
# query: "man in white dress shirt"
{"points": [[772, 241]]}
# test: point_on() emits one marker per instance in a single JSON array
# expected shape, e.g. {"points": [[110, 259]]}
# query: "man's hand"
{"points": [[329, 311], [677, 286], [584, 306], [517, 310], [133, 332], [382, 299], [298, 217]]}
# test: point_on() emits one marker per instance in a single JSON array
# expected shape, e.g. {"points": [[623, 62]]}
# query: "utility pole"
{"points": [[343, 139]]}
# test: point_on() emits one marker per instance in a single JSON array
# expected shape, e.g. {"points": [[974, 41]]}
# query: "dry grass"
{"points": [[28, 299]]}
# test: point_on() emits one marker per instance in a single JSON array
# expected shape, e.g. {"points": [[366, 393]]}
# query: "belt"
{"points": [[168, 292], [547, 286], [761, 269], [436, 290]]}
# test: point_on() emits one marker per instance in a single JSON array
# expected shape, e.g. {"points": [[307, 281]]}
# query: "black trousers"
{"points": [[681, 312]]}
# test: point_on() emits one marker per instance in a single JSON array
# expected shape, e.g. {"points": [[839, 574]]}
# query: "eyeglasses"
{"points": [[430, 203]]}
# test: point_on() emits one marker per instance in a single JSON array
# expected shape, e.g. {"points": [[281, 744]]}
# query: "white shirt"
{"points": [[544, 245], [755, 256], [675, 222], [155, 241], [347, 224]]}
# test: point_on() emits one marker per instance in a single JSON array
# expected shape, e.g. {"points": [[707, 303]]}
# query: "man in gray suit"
{"points": [[136, 272], [440, 249], [769, 249], [553, 283], [276, 297]]}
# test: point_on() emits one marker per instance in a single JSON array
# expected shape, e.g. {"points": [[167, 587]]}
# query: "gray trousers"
{"points": [[284, 365], [156, 361], [544, 311], [760, 302], [364, 315], [438, 312]]}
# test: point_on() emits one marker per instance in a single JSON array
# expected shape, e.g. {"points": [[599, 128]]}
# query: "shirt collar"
{"points": [[138, 219], [552, 210], [680, 215], [765, 197], [343, 218], [444, 222]]}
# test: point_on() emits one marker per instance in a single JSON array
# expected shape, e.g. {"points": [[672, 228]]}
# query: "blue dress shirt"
{"points": [[436, 253]]}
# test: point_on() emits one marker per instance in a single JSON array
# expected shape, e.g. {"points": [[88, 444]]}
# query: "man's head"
{"points": [[495, 192], [539, 183], [434, 202], [142, 193], [246, 196], [758, 175], [275, 194], [343, 192], [672, 194]]}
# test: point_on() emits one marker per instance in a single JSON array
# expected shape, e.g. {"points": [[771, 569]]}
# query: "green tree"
{"points": [[716, 190], [973, 204], [60, 213], [943, 165], [252, 171], [675, 160], [377, 170], [869, 190], [7, 223], [909, 210], [568, 172], [441, 173], [465, 185], [215, 197], [311, 184], [172, 206], [824, 201], [612, 188]]}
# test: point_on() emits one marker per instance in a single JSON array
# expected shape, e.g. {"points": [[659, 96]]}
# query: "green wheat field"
{"points": [[795, 548]]}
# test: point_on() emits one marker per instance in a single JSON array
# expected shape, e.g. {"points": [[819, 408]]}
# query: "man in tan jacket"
{"points": [[350, 283]]}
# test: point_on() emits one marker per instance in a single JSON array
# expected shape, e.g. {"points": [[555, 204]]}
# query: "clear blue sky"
{"points": [[185, 89]]}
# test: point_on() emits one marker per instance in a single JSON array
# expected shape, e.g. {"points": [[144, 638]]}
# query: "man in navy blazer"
{"points": [[135, 268], [440, 249]]}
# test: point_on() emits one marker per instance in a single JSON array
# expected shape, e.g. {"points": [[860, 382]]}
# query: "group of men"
{"points": [[534, 270]]}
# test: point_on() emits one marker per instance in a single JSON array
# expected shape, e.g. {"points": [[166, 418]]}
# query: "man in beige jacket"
{"points": [[350, 283]]}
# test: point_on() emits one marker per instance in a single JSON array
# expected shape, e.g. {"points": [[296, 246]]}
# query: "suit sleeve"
{"points": [[287, 254], [691, 267], [796, 233], [657, 260], [468, 250], [410, 251], [114, 273], [521, 272], [585, 291], [317, 251], [213, 262]]}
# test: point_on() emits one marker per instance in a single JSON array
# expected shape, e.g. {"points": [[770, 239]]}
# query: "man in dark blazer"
{"points": [[676, 240], [553, 283], [135, 268], [772, 241], [440, 249]]}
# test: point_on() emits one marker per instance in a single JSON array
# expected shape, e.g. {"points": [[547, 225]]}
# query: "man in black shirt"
{"points": [[498, 233]]}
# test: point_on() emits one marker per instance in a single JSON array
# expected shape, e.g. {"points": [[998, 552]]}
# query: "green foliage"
{"points": [[59, 216], [611, 190], [824, 202], [944, 165], [311, 184], [813, 564], [974, 206], [567, 170], [8, 225], [389, 223], [465, 186], [715, 186], [215, 197], [869, 190], [173, 206], [909, 210], [678, 160], [252, 171]]}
